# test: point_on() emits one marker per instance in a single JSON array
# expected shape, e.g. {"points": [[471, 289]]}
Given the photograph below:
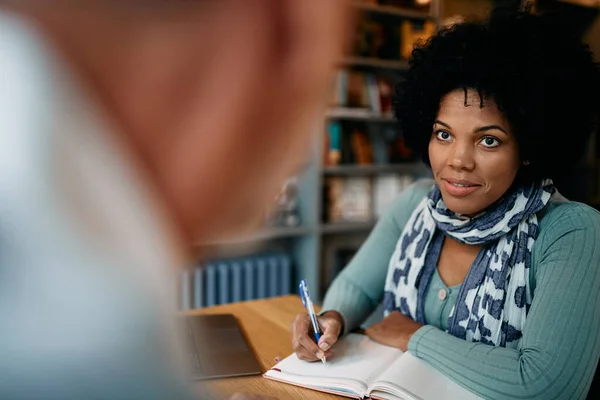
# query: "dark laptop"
{"points": [[218, 348]]}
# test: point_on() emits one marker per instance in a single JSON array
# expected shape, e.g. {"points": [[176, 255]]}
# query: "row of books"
{"points": [[361, 199], [363, 90], [390, 41], [355, 143]]}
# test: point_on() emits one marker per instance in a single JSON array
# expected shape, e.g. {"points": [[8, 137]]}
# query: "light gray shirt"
{"points": [[87, 263]]}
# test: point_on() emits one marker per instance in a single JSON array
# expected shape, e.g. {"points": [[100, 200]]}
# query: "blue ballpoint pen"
{"points": [[305, 296]]}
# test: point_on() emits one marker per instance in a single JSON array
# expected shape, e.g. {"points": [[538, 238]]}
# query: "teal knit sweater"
{"points": [[560, 347]]}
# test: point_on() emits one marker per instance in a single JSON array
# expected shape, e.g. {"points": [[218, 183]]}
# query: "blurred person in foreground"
{"points": [[130, 131]]}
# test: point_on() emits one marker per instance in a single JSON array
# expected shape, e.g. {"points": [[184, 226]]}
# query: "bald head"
{"points": [[217, 99]]}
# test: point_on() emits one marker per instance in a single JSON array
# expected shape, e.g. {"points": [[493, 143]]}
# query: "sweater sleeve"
{"points": [[358, 289], [560, 346]]}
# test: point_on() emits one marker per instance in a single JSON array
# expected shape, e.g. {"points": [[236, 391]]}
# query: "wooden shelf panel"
{"points": [[400, 65], [281, 232], [405, 168], [265, 234], [358, 114], [347, 227], [392, 11]]}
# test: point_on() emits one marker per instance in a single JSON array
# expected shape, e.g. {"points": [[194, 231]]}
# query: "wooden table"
{"points": [[266, 324]]}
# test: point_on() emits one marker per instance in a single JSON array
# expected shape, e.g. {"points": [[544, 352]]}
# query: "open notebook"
{"points": [[360, 368]]}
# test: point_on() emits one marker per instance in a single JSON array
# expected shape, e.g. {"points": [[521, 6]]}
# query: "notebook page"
{"points": [[411, 378], [355, 357]]}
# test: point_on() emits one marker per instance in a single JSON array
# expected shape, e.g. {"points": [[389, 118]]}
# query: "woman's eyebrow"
{"points": [[437, 121], [489, 128]]}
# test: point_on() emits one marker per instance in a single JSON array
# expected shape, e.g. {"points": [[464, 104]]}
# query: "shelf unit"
{"points": [[309, 244], [352, 234]]}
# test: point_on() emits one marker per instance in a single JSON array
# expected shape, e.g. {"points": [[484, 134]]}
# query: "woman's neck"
{"points": [[455, 260]]}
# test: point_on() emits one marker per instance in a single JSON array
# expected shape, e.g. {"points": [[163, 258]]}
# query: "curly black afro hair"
{"points": [[541, 76]]}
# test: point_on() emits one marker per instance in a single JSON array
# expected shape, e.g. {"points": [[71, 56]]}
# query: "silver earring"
{"points": [[526, 162]]}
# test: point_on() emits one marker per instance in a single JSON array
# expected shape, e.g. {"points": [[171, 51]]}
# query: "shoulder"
{"points": [[565, 225], [29, 97], [25, 74], [568, 236], [24, 53], [563, 216]]}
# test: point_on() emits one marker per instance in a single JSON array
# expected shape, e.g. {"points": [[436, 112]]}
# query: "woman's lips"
{"points": [[459, 187]]}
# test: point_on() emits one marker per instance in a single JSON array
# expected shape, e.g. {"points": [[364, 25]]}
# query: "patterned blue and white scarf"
{"points": [[495, 296]]}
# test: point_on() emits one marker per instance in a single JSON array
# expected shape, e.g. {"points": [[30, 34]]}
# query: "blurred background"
{"points": [[359, 164]]}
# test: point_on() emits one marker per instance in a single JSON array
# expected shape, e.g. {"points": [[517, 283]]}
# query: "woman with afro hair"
{"points": [[486, 272]]}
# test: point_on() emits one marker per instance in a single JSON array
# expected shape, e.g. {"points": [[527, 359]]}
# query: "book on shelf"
{"points": [[348, 199], [361, 368], [362, 199], [347, 142], [361, 148], [372, 40], [357, 94], [381, 39], [363, 92], [413, 33]]}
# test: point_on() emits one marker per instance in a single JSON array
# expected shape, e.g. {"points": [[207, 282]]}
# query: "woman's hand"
{"points": [[331, 324], [395, 330]]}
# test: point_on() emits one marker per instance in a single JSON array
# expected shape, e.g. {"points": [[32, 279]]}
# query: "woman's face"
{"points": [[473, 152]]}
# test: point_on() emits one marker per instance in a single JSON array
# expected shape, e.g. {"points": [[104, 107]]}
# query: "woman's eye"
{"points": [[490, 142], [443, 135]]}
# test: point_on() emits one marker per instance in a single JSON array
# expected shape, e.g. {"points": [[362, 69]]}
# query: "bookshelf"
{"points": [[376, 122], [312, 244]]}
